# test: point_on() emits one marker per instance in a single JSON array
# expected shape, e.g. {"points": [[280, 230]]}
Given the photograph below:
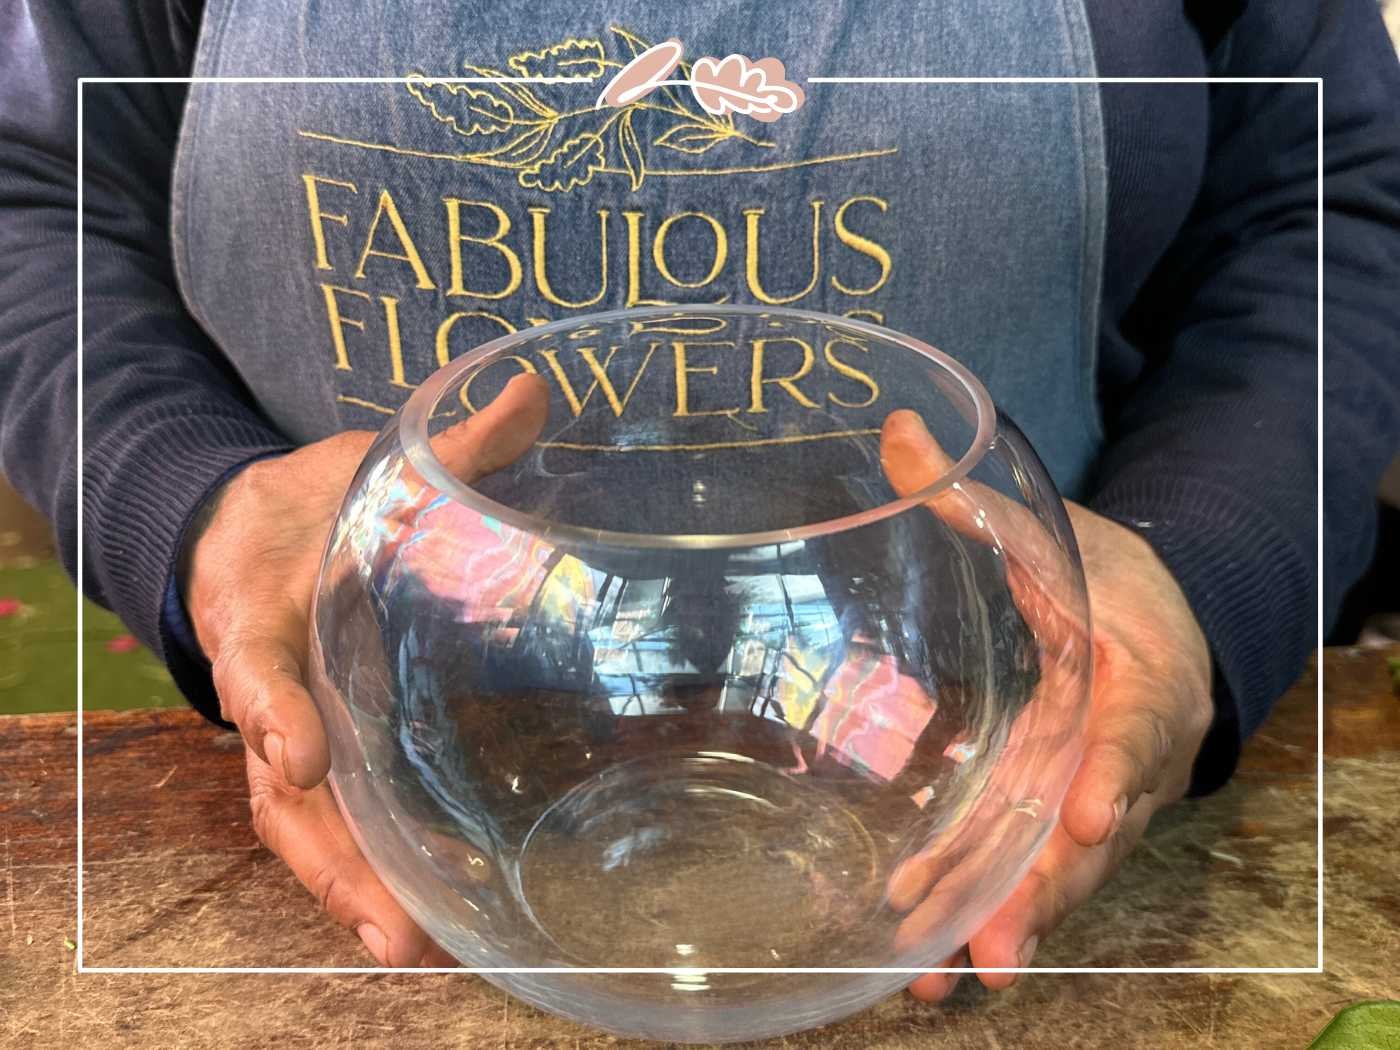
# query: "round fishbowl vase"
{"points": [[717, 644]]}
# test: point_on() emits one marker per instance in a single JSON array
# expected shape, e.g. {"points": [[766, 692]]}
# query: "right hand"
{"points": [[1147, 667], [248, 581]]}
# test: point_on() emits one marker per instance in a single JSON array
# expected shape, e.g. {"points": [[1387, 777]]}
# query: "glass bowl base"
{"points": [[701, 859]]}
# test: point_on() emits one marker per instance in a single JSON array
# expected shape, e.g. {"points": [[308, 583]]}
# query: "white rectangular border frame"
{"points": [[1318, 968]]}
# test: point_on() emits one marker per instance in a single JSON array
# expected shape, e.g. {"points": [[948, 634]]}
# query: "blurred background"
{"points": [[39, 606], [39, 628]]}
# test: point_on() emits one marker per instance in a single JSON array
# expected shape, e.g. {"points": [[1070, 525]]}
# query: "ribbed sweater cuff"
{"points": [[1249, 585], [141, 489], [188, 665]]}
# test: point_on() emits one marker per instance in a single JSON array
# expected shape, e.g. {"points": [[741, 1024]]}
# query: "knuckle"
{"points": [[269, 811], [1148, 744], [1160, 737], [1132, 765], [246, 700], [228, 685], [331, 888]]}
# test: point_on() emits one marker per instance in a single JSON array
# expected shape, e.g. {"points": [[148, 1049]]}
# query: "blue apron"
{"points": [[340, 242]]}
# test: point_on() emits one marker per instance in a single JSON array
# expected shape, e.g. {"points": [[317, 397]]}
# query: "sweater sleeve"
{"points": [[1213, 452], [164, 416]]}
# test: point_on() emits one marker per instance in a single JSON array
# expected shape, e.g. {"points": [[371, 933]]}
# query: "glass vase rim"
{"points": [[412, 427]]}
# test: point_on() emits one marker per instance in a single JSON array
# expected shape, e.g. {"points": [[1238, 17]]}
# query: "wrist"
{"points": [[1247, 583]]}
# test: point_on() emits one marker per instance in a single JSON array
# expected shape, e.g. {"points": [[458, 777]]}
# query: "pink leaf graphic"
{"points": [[122, 643], [10, 606], [643, 75], [756, 89]]}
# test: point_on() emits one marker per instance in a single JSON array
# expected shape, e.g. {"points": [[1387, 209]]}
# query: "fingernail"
{"points": [[935, 991], [1027, 950], [375, 940], [274, 747], [1120, 807]]}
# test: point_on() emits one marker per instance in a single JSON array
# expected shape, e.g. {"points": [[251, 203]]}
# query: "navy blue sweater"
{"points": [[1207, 363]]}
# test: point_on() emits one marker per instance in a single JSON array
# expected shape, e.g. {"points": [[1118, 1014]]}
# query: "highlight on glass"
{"points": [[708, 640]]}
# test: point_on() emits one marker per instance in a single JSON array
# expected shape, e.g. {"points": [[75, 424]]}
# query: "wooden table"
{"points": [[174, 877]]}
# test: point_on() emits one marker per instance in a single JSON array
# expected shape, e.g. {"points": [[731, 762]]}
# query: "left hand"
{"points": [[251, 575], [1150, 710]]}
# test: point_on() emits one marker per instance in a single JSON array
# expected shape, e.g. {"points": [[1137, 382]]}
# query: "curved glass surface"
{"points": [[727, 638]]}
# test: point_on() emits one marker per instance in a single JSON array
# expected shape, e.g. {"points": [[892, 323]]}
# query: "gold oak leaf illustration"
{"points": [[572, 58], [756, 89], [572, 164], [512, 126], [642, 75], [468, 109], [526, 98]]}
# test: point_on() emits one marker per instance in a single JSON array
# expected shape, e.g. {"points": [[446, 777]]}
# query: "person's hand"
{"points": [[1151, 707], [248, 583]]}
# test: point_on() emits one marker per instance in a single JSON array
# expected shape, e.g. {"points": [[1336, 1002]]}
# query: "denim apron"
{"points": [[342, 241]]}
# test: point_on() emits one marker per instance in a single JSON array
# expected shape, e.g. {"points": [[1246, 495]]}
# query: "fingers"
{"points": [[936, 888], [912, 878], [936, 882], [1133, 748], [952, 859], [306, 830], [913, 460], [935, 987], [1038, 570], [1063, 877], [499, 434], [259, 676]]}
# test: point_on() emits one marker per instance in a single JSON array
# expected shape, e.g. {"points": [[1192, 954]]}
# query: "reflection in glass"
{"points": [[764, 643]]}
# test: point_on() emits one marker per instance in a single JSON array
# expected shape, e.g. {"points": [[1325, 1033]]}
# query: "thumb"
{"points": [[498, 434], [1133, 735], [913, 460]]}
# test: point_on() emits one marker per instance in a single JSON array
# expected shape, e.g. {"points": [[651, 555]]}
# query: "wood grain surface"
{"points": [[174, 877]]}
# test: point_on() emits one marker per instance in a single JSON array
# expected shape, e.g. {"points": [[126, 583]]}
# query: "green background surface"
{"points": [[1364, 1026], [39, 649]]}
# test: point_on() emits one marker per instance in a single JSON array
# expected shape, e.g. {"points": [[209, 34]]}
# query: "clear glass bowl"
{"points": [[735, 641]]}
